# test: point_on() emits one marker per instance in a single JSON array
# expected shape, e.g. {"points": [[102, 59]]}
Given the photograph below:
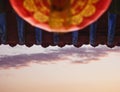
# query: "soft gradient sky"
{"points": [[55, 69]]}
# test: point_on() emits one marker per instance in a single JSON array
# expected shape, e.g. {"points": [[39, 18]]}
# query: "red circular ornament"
{"points": [[60, 15]]}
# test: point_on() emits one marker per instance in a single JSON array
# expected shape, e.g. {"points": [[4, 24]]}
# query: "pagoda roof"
{"points": [[14, 30]]}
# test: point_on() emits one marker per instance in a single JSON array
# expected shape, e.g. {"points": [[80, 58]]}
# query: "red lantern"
{"points": [[60, 15]]}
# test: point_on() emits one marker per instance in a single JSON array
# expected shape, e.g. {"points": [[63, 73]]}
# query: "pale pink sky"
{"points": [[55, 69]]}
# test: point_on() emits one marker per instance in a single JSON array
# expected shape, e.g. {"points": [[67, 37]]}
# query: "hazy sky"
{"points": [[54, 69]]}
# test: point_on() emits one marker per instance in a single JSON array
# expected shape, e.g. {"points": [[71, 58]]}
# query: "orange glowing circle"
{"points": [[60, 15]]}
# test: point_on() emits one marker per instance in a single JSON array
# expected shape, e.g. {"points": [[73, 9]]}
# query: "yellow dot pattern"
{"points": [[72, 15]]}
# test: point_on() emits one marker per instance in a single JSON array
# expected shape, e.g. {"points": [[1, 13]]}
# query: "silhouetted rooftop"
{"points": [[14, 30]]}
